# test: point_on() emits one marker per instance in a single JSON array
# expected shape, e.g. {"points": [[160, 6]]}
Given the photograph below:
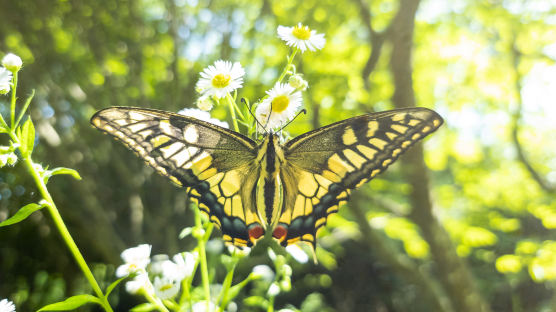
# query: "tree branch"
{"points": [[541, 181], [376, 39]]}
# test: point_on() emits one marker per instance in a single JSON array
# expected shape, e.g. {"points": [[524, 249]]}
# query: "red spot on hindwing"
{"points": [[280, 233], [255, 232]]}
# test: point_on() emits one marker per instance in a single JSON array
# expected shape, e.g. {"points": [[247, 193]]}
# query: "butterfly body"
{"points": [[283, 190]]}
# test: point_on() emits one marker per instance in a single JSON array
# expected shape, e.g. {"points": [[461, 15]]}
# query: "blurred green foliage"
{"points": [[486, 66]]}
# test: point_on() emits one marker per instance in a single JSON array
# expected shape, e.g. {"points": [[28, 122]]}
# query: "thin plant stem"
{"points": [[202, 257], [12, 115], [226, 287], [65, 233], [232, 111], [25, 106], [51, 207], [185, 294], [231, 99], [271, 305], [290, 61], [159, 305]]}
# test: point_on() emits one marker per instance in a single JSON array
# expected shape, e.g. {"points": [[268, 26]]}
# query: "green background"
{"points": [[466, 225]]}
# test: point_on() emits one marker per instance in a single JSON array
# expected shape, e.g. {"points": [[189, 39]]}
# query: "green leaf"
{"points": [[27, 138], [4, 128], [144, 307], [185, 232], [21, 214], [71, 303], [113, 285], [61, 170], [235, 290]]}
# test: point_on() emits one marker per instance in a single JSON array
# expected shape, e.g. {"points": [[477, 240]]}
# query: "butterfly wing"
{"points": [[324, 165], [215, 164]]}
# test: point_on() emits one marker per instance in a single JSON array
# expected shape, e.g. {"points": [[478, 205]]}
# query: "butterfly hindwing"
{"points": [[325, 164], [214, 163]]}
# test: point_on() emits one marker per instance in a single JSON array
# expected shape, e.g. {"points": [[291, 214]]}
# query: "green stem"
{"points": [[203, 257], [25, 106], [271, 305], [51, 206], [232, 111], [185, 294], [159, 305], [12, 115], [290, 61], [64, 231], [226, 287]]}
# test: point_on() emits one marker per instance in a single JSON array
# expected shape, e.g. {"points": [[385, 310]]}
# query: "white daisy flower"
{"points": [[282, 103], [204, 116], [221, 78], [301, 37], [7, 306], [140, 282], [201, 306], [12, 62], [135, 259], [181, 268], [165, 288], [264, 272], [5, 80], [155, 267]]}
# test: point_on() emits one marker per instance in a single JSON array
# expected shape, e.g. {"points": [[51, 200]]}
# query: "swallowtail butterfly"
{"points": [[250, 188]]}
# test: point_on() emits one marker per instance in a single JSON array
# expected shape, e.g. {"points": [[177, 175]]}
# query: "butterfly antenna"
{"points": [[251, 112], [304, 111]]}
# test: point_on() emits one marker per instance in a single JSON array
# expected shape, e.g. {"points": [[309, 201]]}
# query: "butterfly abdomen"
{"points": [[269, 185]]}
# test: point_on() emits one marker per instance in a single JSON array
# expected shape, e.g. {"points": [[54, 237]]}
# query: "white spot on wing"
{"points": [[190, 134], [136, 116], [171, 149], [137, 127]]}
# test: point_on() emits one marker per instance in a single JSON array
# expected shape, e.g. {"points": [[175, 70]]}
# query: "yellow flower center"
{"points": [[280, 103], [303, 32], [221, 81], [166, 287]]}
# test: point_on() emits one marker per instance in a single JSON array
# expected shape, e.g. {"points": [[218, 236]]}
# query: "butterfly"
{"points": [[249, 189]]}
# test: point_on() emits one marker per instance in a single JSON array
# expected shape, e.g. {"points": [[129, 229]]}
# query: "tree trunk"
{"points": [[452, 270]]}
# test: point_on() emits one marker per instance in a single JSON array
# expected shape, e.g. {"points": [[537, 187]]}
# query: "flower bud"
{"points": [[5, 80], [204, 103], [198, 232], [273, 290], [287, 270], [286, 284], [12, 62], [297, 82], [3, 160], [12, 159]]}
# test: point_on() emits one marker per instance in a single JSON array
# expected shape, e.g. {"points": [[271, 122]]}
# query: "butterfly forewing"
{"points": [[214, 163], [324, 165]]}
